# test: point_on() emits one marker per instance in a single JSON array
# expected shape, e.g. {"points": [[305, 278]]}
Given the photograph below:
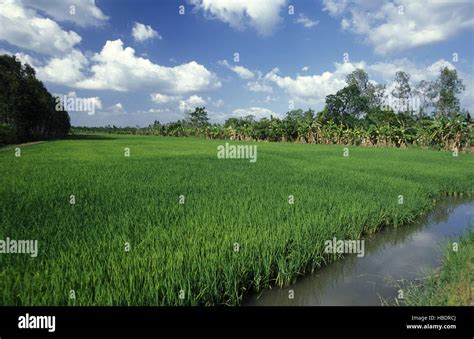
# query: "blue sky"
{"points": [[144, 60]]}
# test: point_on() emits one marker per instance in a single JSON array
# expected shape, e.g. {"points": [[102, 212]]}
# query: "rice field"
{"points": [[172, 224]]}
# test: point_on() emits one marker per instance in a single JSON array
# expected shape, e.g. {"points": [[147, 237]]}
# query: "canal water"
{"points": [[393, 257]]}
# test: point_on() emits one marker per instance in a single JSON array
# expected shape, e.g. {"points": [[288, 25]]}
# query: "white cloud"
{"points": [[242, 72], [158, 110], [305, 69], [24, 28], [313, 89], [191, 103], [345, 24], [117, 68], [81, 12], [305, 21], [65, 70], [259, 86], [263, 15], [141, 32], [117, 108], [257, 112], [390, 27], [163, 98], [335, 7], [218, 103]]}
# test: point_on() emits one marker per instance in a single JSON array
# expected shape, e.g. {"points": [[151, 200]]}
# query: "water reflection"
{"points": [[392, 254]]}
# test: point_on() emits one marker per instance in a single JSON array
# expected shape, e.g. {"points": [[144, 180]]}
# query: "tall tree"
{"points": [[374, 93], [402, 91], [26, 107], [448, 86], [378, 96], [198, 117], [346, 105], [360, 79], [425, 92]]}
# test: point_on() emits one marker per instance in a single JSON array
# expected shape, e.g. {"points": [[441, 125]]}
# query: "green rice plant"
{"points": [[131, 239]]}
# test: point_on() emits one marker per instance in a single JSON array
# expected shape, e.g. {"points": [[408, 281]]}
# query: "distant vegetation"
{"points": [[27, 109], [428, 115]]}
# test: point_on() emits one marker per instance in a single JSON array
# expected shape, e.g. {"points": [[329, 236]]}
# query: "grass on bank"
{"points": [[453, 283]]}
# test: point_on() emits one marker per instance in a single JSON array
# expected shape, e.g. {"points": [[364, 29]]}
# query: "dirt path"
{"points": [[9, 147]]}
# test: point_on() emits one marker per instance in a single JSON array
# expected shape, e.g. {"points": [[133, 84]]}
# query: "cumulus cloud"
{"points": [[242, 72], [117, 108], [65, 70], [80, 12], [259, 86], [263, 15], [163, 98], [191, 103], [313, 89], [390, 27], [141, 32], [334, 7], [118, 68], [24, 28], [305, 21]]}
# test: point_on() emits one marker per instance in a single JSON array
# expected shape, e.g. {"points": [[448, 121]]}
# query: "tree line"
{"points": [[27, 110], [362, 113]]}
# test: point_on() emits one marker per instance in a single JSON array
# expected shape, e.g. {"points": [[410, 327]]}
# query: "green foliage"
{"points": [[346, 105], [378, 127], [198, 117], [448, 85], [402, 90]]}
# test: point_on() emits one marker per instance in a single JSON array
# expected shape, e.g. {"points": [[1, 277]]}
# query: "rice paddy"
{"points": [[173, 224]]}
